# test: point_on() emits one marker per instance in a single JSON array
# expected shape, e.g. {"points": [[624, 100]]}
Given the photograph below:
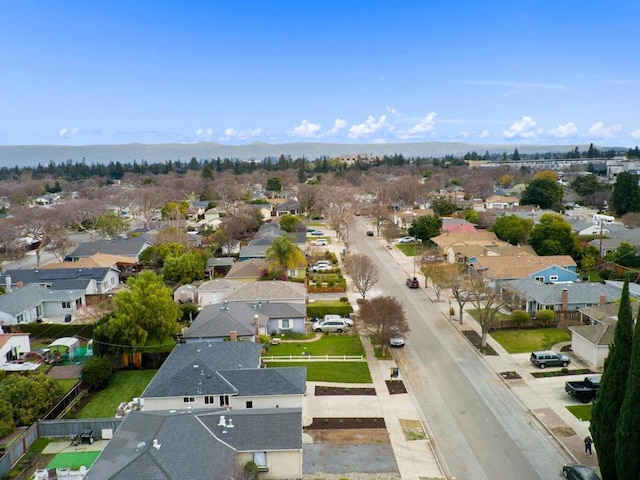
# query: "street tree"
{"points": [[627, 435], [544, 192], [390, 232], [512, 229], [488, 302], [625, 197], [111, 225], [38, 224], [425, 227], [553, 235], [381, 215], [283, 254], [363, 271], [460, 286], [384, 317], [442, 275], [608, 403], [143, 313]]}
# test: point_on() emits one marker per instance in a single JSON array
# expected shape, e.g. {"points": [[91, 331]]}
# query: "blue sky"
{"points": [[235, 72]]}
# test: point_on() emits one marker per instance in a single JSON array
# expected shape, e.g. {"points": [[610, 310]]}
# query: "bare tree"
{"points": [[38, 224], [147, 201], [381, 215], [442, 275], [390, 232], [82, 214], [172, 235], [384, 317], [363, 271], [460, 286], [488, 301]]}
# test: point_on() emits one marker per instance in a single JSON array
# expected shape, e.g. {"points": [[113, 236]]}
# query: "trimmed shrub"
{"points": [[250, 471], [520, 316], [319, 311], [546, 316]]}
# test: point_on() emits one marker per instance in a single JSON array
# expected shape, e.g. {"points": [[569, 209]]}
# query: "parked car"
{"points": [[320, 243], [407, 239], [369, 233], [317, 232], [335, 325], [332, 316], [321, 268], [586, 390], [412, 282], [548, 358], [396, 341], [579, 472]]}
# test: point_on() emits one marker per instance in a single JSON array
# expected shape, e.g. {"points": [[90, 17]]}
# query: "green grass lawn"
{"points": [[410, 249], [66, 384], [331, 344], [328, 303], [522, 341], [581, 412], [123, 387], [338, 372]]}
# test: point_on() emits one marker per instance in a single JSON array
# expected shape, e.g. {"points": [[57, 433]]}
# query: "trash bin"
{"points": [[67, 318], [395, 372]]}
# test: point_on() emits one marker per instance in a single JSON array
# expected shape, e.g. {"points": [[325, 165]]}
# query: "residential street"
{"points": [[480, 427]]}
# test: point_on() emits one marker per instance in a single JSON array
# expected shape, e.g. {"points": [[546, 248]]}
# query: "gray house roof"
{"points": [[192, 368], [583, 293], [128, 247], [58, 278], [595, 334], [192, 443], [268, 381], [218, 320], [32, 295], [272, 291]]}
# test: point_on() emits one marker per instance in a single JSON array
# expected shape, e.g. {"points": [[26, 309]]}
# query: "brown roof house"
{"points": [[547, 269]]}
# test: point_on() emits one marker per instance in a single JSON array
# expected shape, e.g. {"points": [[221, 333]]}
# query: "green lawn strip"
{"points": [[73, 459], [581, 412], [123, 387], [409, 249], [328, 303], [326, 345], [336, 372], [66, 384], [474, 313], [523, 341]]}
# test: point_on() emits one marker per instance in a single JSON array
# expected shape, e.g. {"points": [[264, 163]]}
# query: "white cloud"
{"points": [[523, 129], [484, 134], [564, 131], [68, 132], [369, 127], [423, 128], [338, 125], [306, 129], [598, 130], [635, 134], [233, 134], [393, 111], [204, 133]]}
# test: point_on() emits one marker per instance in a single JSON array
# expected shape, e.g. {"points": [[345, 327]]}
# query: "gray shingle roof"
{"points": [[129, 247], [191, 368], [273, 291], [58, 278], [583, 293], [596, 334], [32, 295], [268, 381]]}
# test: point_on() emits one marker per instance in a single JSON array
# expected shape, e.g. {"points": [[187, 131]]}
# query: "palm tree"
{"points": [[283, 254]]}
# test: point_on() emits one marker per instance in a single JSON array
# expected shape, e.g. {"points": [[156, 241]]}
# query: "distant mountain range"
{"points": [[32, 155]]}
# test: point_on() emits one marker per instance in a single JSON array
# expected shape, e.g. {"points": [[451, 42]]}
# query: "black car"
{"points": [[412, 282], [579, 472], [369, 233]]}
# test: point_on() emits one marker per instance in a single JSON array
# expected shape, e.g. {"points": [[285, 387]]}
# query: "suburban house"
{"points": [[272, 291], [33, 303], [219, 266], [186, 294], [264, 237], [13, 349], [405, 218], [583, 227], [468, 254], [214, 291], [500, 202], [98, 260], [547, 269], [184, 444], [243, 321], [206, 375], [287, 207], [478, 237], [248, 270], [127, 247], [91, 280], [530, 295], [456, 225]]}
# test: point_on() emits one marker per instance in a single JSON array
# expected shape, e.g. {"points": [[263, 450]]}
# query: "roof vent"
{"points": [[221, 422], [156, 444], [140, 446]]}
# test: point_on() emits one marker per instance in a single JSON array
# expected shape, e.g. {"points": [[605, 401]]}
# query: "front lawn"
{"points": [[581, 412], [123, 387], [522, 341], [337, 372], [410, 249], [331, 344]]}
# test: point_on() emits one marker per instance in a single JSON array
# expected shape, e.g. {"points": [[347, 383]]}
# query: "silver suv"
{"points": [[333, 325], [548, 358]]}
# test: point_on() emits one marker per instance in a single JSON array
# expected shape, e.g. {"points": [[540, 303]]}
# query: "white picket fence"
{"points": [[313, 358]]}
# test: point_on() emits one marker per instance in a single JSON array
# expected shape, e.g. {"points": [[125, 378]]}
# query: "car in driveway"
{"points": [[574, 471], [407, 239], [320, 242], [412, 282], [321, 268], [317, 233], [396, 341], [334, 325], [549, 358], [332, 316]]}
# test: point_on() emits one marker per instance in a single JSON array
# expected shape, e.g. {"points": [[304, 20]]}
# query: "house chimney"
{"points": [[602, 300], [565, 299], [256, 322], [233, 336], [7, 283]]}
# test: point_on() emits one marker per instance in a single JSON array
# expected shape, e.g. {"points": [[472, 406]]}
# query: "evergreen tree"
{"points": [[627, 432], [626, 195], [516, 156], [607, 405]]}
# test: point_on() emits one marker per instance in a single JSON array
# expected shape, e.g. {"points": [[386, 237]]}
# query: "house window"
{"points": [[66, 304], [260, 459], [286, 323], [249, 404], [20, 318], [79, 302], [553, 278], [188, 399], [539, 279], [209, 400], [224, 400]]}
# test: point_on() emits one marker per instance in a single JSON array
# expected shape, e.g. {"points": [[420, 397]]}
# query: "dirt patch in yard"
{"points": [[330, 423], [321, 390], [353, 436]]}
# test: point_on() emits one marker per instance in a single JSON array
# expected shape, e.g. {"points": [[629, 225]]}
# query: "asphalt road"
{"points": [[481, 428]]}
